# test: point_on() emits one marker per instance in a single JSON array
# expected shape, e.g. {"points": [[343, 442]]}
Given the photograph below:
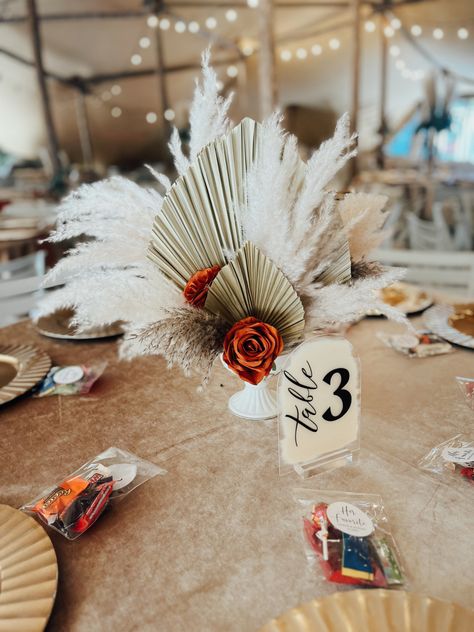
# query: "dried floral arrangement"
{"points": [[245, 252]]}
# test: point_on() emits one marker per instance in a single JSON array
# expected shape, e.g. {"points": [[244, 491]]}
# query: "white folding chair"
{"points": [[427, 235], [449, 272], [20, 281]]}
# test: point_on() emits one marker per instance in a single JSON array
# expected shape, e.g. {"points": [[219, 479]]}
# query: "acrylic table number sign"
{"points": [[319, 407]]}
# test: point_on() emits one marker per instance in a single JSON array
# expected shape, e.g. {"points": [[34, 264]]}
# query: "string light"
{"points": [[211, 23], [152, 21], [193, 27], [316, 49], [389, 31], [136, 59], [232, 71], [369, 26], [151, 118], [334, 43], [231, 15], [164, 24], [116, 112], [416, 30], [395, 24], [106, 96], [394, 51], [463, 33], [220, 85], [116, 90], [400, 64], [253, 4], [144, 42], [286, 55], [438, 34], [301, 53], [180, 26], [247, 48], [169, 114]]}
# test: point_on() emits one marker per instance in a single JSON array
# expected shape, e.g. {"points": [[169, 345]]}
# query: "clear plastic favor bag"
{"points": [[72, 505], [347, 538], [421, 344], [76, 379], [453, 458], [466, 384]]}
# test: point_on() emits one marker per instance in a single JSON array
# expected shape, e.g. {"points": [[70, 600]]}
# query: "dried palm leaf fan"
{"points": [[199, 225], [251, 285]]}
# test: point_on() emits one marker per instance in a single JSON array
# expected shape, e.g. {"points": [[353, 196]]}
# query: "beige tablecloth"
{"points": [[215, 545]]}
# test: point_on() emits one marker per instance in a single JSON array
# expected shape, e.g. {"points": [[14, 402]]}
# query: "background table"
{"points": [[215, 545]]}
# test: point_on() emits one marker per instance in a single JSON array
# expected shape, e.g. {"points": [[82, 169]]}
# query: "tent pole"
{"points": [[53, 144], [383, 95], [356, 54], [83, 128], [266, 59]]}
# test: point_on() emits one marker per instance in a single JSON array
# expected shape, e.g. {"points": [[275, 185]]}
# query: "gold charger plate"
{"points": [[58, 325], [374, 611], [28, 572], [21, 368]]}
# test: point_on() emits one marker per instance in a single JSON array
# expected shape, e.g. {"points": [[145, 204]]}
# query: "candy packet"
{"points": [[76, 379], [420, 344], [454, 457], [74, 504], [466, 384], [347, 537]]}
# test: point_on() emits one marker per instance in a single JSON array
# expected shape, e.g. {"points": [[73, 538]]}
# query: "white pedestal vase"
{"points": [[255, 402]]}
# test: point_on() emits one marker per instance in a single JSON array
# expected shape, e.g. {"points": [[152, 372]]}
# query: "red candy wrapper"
{"points": [[347, 535], [75, 503]]}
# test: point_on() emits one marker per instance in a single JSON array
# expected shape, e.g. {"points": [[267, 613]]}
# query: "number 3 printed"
{"points": [[341, 392]]}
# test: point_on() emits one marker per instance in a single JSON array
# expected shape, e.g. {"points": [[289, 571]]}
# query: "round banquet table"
{"points": [[215, 545]]}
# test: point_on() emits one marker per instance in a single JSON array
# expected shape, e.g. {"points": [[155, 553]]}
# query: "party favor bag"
{"points": [[72, 505], [348, 540], [453, 459]]}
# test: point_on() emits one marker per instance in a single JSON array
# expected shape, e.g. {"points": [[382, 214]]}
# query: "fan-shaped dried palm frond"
{"points": [[363, 216], [199, 225], [251, 285]]}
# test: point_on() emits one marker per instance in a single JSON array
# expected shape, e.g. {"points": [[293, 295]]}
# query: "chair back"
{"points": [[20, 281]]}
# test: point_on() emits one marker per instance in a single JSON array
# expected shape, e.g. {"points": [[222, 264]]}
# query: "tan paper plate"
{"points": [[374, 611], [439, 320], [463, 319], [57, 325], [28, 571], [21, 368], [407, 298]]}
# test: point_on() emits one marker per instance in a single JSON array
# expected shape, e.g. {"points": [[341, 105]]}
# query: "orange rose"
{"points": [[250, 349], [197, 287]]}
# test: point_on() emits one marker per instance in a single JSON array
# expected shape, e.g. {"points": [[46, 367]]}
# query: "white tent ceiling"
{"points": [[103, 46]]}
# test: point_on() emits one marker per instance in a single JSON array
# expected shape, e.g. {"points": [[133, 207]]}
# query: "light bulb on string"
{"points": [[253, 4], [334, 43], [463, 33], [164, 24], [286, 55], [301, 53], [369, 26], [180, 26], [395, 24], [211, 23], [231, 15], [144, 42], [169, 114], [116, 112], [136, 59], [389, 31], [316, 49], [416, 30], [232, 71], [116, 90], [220, 85], [106, 96], [400, 64], [151, 117], [152, 21], [438, 34], [394, 51]]}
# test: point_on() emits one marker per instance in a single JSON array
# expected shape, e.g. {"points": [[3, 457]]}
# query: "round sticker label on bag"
{"points": [[461, 456], [350, 519], [69, 375], [123, 474]]}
